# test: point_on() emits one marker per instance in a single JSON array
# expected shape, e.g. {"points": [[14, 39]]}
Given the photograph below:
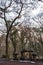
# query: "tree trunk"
{"points": [[14, 52], [7, 45]]}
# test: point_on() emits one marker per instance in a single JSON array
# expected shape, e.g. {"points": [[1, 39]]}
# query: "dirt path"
{"points": [[20, 63]]}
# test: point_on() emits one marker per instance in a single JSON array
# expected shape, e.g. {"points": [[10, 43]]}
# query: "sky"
{"points": [[31, 10], [38, 10]]}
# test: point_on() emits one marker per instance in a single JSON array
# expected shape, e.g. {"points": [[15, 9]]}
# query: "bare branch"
{"points": [[9, 5], [36, 21], [5, 20], [41, 23], [4, 9], [16, 17], [1, 17]]}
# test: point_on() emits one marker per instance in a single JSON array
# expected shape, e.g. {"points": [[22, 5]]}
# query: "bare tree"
{"points": [[13, 37], [9, 23]]}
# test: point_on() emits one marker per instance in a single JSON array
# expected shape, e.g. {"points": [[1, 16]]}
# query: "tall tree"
{"points": [[4, 10]]}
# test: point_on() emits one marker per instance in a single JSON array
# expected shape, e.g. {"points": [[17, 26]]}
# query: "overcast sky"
{"points": [[31, 10]]}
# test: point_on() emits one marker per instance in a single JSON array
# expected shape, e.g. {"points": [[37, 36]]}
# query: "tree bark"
{"points": [[7, 56]]}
